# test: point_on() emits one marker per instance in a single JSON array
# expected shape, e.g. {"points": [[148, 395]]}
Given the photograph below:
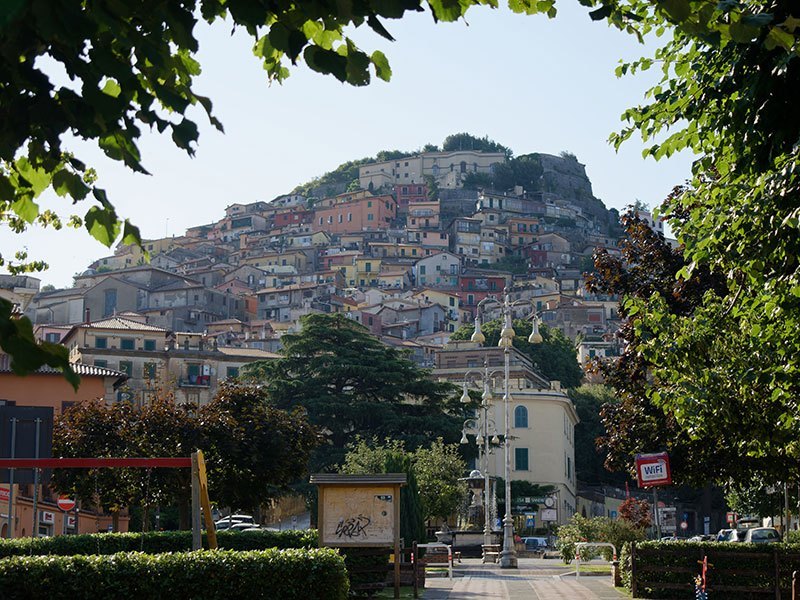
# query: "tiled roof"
{"points": [[247, 352], [80, 368], [122, 323]]}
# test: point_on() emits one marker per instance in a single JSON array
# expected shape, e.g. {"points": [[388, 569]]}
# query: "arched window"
{"points": [[520, 416]]}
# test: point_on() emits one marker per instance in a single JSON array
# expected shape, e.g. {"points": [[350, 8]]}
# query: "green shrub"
{"points": [[730, 564], [204, 575], [596, 529], [154, 542]]}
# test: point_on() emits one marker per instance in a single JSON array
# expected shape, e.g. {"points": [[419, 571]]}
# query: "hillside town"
{"points": [[407, 250]]}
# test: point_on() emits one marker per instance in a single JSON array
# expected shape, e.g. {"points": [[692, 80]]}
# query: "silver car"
{"points": [[761, 535]]}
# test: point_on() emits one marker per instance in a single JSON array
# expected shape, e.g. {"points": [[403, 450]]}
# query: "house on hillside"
{"points": [[542, 417]]}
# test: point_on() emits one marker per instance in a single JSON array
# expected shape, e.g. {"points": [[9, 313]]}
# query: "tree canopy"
{"points": [[351, 384], [555, 358], [253, 450]]}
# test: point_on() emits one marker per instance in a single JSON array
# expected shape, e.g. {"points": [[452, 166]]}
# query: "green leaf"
{"points": [[742, 33], [601, 13], [326, 61], [184, 134], [112, 88], [66, 183], [382, 69], [36, 177], [778, 37], [131, 235], [26, 209], [102, 224], [679, 10]]}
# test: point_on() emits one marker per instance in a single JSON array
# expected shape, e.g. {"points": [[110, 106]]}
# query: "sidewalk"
{"points": [[535, 579]]}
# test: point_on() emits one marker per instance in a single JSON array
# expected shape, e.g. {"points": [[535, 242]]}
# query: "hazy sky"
{"points": [[531, 83]]}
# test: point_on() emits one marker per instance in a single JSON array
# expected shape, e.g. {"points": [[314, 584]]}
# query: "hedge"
{"points": [[731, 565], [203, 575], [154, 542]]}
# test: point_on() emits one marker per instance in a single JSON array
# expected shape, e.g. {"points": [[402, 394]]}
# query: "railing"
{"points": [[202, 381]]}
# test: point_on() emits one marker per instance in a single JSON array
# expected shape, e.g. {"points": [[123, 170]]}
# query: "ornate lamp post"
{"points": [[508, 556], [482, 425]]}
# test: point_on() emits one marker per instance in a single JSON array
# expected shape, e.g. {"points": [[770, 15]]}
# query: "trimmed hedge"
{"points": [[731, 565], [154, 542], [296, 574]]}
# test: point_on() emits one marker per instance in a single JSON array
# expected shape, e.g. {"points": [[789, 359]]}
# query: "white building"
{"points": [[542, 418]]}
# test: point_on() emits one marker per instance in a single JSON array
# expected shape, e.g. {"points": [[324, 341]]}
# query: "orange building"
{"points": [[48, 388], [359, 214]]}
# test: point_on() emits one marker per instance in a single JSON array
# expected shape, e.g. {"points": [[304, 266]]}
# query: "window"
{"points": [[150, 345], [370, 217], [100, 342], [232, 372], [126, 367], [110, 302], [422, 269], [520, 459], [349, 217], [100, 363], [149, 370], [340, 218], [53, 337], [369, 204], [192, 372], [520, 416], [127, 344]]}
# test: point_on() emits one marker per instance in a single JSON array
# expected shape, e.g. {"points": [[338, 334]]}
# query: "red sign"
{"points": [[653, 469], [65, 503], [3, 494], [730, 517]]}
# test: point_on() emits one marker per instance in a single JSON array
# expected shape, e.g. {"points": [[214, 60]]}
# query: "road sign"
{"points": [[549, 514], [684, 525], [530, 520], [65, 503], [653, 469], [730, 517]]}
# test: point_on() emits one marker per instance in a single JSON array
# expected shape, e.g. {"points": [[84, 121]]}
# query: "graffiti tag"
{"points": [[353, 527]]}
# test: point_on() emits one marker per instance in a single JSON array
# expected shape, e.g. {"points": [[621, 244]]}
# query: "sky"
{"points": [[532, 84]]}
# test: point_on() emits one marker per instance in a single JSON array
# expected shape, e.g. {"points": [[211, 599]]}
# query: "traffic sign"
{"points": [[65, 503], [684, 525]]}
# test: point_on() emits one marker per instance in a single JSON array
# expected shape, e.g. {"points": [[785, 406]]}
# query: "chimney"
{"points": [[87, 319]]}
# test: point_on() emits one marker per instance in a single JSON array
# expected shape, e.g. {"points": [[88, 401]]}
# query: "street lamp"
{"points": [[508, 556], [482, 426]]}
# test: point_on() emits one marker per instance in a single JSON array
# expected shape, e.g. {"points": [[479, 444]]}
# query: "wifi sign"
{"points": [[653, 469]]}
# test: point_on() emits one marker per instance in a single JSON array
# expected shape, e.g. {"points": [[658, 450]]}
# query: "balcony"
{"points": [[198, 381]]}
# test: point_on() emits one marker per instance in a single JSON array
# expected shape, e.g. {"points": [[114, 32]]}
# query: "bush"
{"points": [[154, 542], [204, 575], [732, 565], [597, 529]]}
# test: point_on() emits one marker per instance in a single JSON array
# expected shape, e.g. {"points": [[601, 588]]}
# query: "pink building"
{"points": [[361, 214]]}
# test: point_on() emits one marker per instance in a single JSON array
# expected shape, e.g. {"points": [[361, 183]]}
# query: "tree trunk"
{"points": [[145, 519], [115, 521], [183, 516]]}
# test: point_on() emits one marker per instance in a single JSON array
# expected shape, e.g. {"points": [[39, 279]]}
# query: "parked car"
{"points": [[243, 527], [535, 544], [727, 535], [761, 535], [230, 520]]}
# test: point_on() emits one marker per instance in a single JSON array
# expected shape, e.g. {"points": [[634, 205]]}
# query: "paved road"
{"points": [[535, 579]]}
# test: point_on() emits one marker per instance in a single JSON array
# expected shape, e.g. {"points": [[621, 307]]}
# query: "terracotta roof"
{"points": [[121, 323], [247, 352], [80, 368]]}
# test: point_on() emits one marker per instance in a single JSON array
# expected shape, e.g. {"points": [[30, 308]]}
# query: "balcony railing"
{"points": [[202, 381]]}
